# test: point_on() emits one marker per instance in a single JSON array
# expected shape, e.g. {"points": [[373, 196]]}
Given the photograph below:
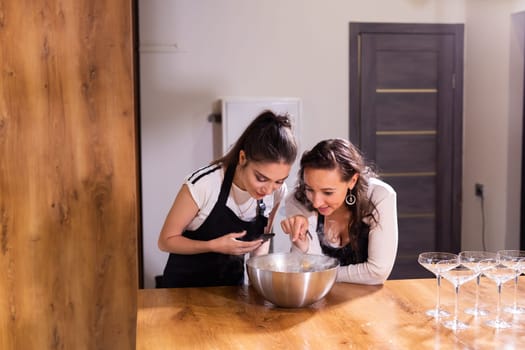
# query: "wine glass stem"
{"points": [[438, 301], [456, 304], [515, 303], [478, 278], [499, 304]]}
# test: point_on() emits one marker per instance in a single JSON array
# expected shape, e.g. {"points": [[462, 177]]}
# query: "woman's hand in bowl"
{"points": [[297, 228]]}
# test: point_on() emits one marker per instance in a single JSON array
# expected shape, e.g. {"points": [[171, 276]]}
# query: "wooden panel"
{"points": [[406, 111], [416, 234], [415, 194], [406, 153], [407, 267], [68, 175], [402, 69]]}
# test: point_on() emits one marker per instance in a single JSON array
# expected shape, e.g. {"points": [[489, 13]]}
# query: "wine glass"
{"points": [[510, 259], [430, 260], [458, 275], [470, 259], [500, 274], [521, 265]]}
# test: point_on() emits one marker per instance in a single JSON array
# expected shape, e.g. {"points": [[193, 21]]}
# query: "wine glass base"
{"points": [[498, 324], [476, 312], [437, 313], [514, 310], [455, 325]]}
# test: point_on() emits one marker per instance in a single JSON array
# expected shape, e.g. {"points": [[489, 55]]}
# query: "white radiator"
{"points": [[238, 112]]}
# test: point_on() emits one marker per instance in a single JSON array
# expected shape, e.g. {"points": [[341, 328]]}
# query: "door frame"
{"points": [[452, 240]]}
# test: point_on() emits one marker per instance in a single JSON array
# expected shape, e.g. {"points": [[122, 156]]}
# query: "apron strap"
{"points": [[226, 185]]}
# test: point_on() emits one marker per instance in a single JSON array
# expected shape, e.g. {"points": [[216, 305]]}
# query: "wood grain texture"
{"points": [[68, 175], [350, 317]]}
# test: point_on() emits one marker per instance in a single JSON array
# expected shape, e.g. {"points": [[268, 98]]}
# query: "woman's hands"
{"points": [[229, 244], [297, 228], [184, 209]]}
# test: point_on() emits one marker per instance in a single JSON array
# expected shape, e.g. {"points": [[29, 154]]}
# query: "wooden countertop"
{"points": [[351, 316]]}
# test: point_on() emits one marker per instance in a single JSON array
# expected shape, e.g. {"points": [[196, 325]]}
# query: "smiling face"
{"points": [[325, 189], [260, 179]]}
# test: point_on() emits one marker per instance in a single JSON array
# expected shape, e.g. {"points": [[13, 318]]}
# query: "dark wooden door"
{"points": [[405, 114]]}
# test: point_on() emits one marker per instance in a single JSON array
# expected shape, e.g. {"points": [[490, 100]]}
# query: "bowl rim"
{"points": [[251, 260]]}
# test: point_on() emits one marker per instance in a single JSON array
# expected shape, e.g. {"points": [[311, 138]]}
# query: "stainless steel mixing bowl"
{"points": [[292, 279]]}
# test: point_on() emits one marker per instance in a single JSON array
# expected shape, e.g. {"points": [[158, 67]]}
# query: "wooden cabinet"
{"points": [[69, 216]]}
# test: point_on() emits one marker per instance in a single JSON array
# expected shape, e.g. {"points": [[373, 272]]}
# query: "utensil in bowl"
{"points": [[292, 280]]}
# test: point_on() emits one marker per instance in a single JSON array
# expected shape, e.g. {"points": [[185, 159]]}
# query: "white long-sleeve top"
{"points": [[382, 239]]}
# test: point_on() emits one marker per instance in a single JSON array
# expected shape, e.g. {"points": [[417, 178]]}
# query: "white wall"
{"points": [[493, 122], [299, 48]]}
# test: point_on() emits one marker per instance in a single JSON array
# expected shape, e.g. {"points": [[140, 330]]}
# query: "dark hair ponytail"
{"points": [[268, 138]]}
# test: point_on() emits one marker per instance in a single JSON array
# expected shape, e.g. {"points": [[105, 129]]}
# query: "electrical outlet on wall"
{"points": [[478, 190]]}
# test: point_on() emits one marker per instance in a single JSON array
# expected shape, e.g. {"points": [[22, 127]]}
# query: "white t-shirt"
{"points": [[205, 186], [382, 239]]}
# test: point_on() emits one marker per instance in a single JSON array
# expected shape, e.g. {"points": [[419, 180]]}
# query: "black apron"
{"points": [[346, 255], [214, 269]]}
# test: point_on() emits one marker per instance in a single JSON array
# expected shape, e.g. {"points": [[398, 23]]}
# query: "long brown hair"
{"points": [[342, 155], [268, 138]]}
